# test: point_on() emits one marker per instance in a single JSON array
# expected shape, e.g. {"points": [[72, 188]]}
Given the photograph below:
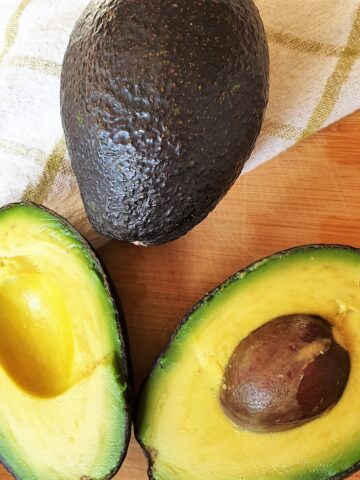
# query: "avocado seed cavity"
{"points": [[36, 342], [284, 374]]}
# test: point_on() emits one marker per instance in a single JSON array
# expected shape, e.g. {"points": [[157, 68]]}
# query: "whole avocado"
{"points": [[161, 105]]}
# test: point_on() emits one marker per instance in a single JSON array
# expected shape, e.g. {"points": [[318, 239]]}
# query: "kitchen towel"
{"points": [[314, 81]]}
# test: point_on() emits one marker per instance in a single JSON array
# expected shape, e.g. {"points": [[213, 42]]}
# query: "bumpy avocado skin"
{"points": [[161, 361], [161, 106], [122, 363]]}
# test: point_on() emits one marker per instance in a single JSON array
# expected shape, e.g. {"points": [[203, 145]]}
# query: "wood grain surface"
{"points": [[309, 194]]}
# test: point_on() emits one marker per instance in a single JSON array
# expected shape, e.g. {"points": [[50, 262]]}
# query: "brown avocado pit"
{"points": [[284, 374]]}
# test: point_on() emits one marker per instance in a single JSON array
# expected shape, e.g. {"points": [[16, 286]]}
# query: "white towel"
{"points": [[315, 80]]}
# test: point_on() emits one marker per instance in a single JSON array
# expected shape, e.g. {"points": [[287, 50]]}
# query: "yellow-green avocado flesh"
{"points": [[63, 370], [180, 421]]}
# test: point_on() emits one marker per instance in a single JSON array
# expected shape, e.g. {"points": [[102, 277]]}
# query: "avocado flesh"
{"points": [[181, 423], [161, 107], [63, 409]]}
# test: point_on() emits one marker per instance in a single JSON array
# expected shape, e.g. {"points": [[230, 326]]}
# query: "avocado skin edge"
{"points": [[150, 181], [207, 297], [125, 367]]}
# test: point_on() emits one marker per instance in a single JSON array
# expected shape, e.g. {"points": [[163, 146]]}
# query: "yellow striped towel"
{"points": [[315, 80]]}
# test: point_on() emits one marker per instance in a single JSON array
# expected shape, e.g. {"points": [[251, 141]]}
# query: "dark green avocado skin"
{"points": [[161, 104]]}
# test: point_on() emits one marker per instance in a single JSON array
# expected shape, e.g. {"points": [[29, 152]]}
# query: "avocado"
{"points": [[64, 411], [161, 105], [262, 378]]}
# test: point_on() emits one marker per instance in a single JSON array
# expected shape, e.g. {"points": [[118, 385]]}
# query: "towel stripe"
{"points": [[22, 150], [336, 81], [38, 193], [12, 29], [282, 130], [39, 64], [304, 46]]}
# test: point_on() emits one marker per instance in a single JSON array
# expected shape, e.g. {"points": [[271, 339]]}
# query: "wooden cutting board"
{"points": [[310, 194]]}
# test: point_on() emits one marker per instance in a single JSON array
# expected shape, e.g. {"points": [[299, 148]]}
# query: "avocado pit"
{"points": [[284, 374]]}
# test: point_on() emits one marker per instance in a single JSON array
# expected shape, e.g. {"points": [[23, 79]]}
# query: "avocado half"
{"points": [[181, 422], [64, 409], [161, 105]]}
